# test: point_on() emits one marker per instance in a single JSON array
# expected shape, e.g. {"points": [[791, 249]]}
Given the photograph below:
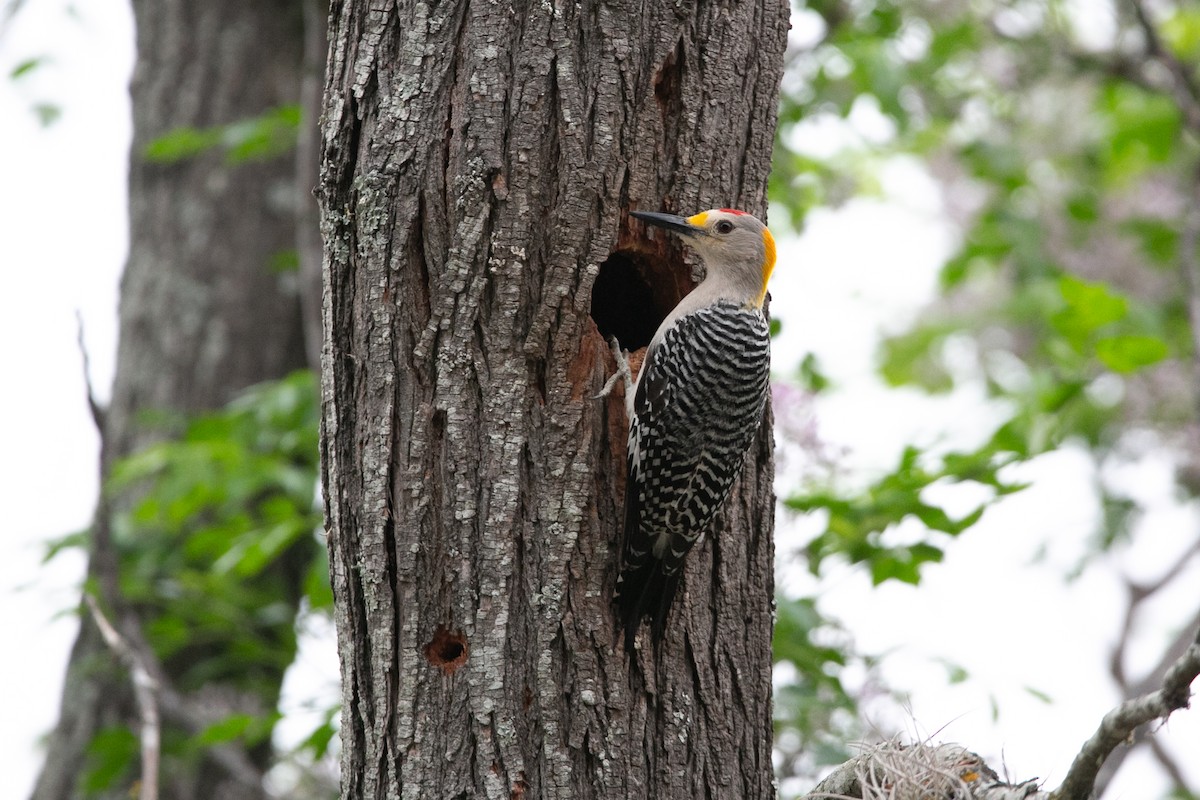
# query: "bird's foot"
{"points": [[623, 372]]}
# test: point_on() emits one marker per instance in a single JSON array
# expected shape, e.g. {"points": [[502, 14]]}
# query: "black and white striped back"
{"points": [[698, 404]]}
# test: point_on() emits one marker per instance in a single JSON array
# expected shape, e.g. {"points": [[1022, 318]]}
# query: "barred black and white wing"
{"points": [[697, 407]]}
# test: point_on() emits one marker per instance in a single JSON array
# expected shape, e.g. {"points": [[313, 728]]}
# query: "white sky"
{"points": [[991, 607], [62, 241]]}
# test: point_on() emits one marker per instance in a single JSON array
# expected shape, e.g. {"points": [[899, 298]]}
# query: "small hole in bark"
{"points": [[447, 651]]}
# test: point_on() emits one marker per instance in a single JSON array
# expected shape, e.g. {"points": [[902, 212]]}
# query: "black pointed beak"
{"points": [[671, 222]]}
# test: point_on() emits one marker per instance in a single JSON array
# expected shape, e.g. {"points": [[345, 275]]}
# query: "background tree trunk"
{"points": [[202, 316], [479, 160]]}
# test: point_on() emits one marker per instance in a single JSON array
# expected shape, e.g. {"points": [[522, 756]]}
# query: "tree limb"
{"points": [[131, 647], [94, 406], [1183, 85], [145, 689], [1165, 761], [1119, 723], [186, 713], [1143, 685], [893, 771]]}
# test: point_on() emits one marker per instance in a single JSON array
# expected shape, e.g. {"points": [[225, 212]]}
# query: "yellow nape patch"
{"points": [[698, 219], [768, 263]]}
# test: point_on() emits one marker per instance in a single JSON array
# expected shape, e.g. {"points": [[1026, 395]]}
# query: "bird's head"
{"points": [[732, 244]]}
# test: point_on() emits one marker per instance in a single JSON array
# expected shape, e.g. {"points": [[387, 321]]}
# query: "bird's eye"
{"points": [[724, 226]]}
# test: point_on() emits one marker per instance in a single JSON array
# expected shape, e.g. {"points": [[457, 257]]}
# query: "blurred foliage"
{"points": [[272, 133], [26, 67], [46, 112], [815, 714], [1058, 138], [224, 521], [217, 550], [856, 522]]}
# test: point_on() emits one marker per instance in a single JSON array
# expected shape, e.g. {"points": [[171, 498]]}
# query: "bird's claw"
{"points": [[623, 371]]}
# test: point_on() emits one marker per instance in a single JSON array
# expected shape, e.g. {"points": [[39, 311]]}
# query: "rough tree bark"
{"points": [[478, 162], [202, 315]]}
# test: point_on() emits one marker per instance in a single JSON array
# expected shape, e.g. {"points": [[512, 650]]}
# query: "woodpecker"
{"points": [[694, 409]]}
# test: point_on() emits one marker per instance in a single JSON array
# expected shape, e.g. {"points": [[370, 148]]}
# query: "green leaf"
{"points": [[1089, 307], [255, 551], [316, 584], [1119, 516], [1143, 129], [955, 673], [222, 532], [891, 568], [225, 730], [70, 541], [962, 36], [915, 358], [284, 261], [111, 755], [1084, 206], [1130, 353], [47, 113], [857, 522], [816, 706], [180, 144], [1158, 239], [812, 377], [1038, 694], [266, 136], [1181, 32], [26, 67], [938, 520], [317, 742]]}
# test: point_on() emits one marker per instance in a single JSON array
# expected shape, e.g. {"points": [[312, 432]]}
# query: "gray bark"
{"points": [[478, 162], [202, 317]]}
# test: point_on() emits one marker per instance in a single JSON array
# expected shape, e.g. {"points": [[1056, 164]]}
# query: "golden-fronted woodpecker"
{"points": [[695, 407]]}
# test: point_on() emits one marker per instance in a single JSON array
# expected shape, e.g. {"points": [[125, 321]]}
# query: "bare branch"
{"points": [[1113, 64], [94, 405], [891, 771], [1147, 683], [1176, 569], [134, 650], [145, 689], [1168, 763], [1119, 723], [1139, 593], [1183, 85], [1174, 651], [187, 714]]}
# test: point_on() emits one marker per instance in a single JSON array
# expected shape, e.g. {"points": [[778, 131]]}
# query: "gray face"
{"points": [[735, 247], [728, 240]]}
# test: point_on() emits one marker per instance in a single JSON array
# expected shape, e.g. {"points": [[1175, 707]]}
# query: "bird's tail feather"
{"points": [[645, 590]]}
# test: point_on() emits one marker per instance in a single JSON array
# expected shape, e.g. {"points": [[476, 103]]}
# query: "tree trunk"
{"points": [[202, 316], [479, 160]]}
